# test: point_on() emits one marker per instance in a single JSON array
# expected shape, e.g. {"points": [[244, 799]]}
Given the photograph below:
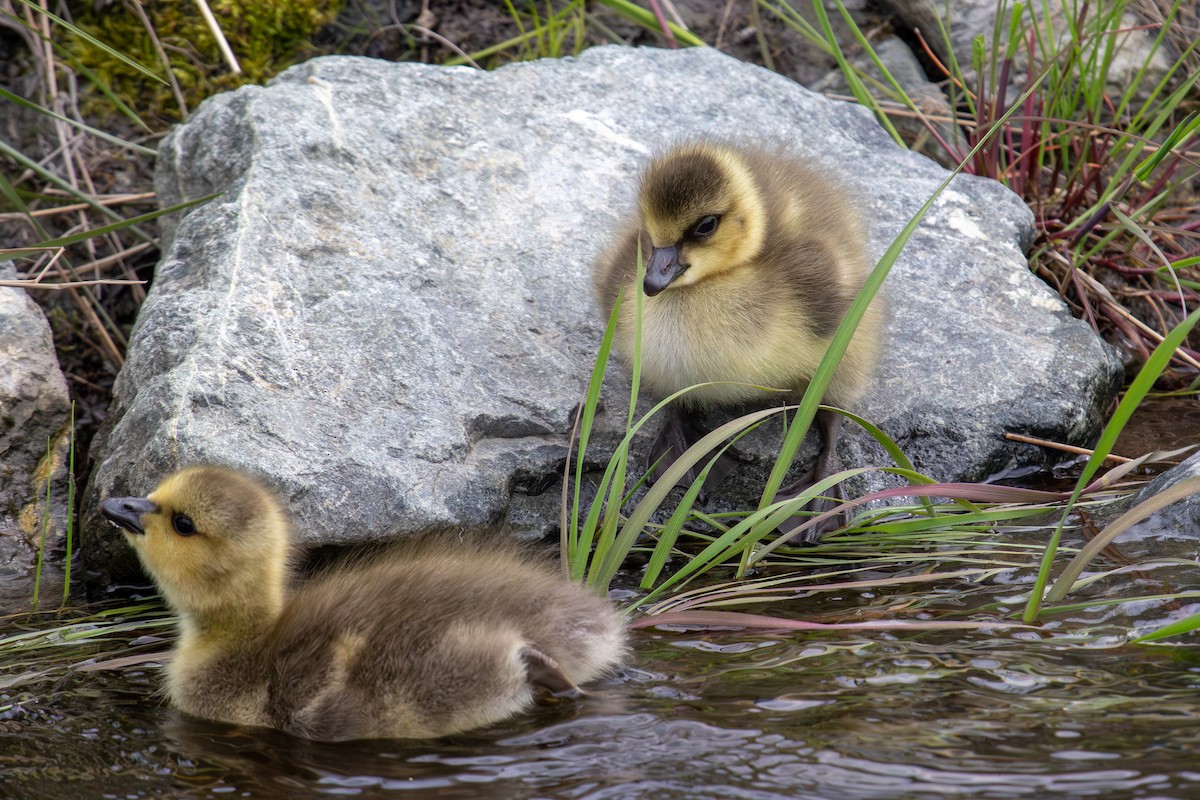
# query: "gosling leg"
{"points": [[828, 463], [682, 430]]}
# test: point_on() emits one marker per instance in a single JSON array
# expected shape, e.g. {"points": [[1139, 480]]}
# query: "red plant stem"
{"points": [[1090, 223], [1013, 157], [1032, 105], [1055, 172], [938, 63], [954, 152], [1085, 303], [1164, 175], [662, 23], [999, 106], [1170, 295], [1125, 269], [1030, 152], [1002, 89]]}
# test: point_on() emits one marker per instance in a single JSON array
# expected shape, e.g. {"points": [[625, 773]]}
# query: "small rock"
{"points": [[1171, 532], [34, 435]]}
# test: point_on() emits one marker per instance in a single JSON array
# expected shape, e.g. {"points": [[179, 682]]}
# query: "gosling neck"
{"points": [[231, 626], [233, 609]]}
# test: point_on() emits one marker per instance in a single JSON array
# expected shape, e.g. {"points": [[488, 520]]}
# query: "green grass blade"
{"points": [[1175, 140], [887, 443], [741, 536], [1176, 628], [670, 532], [857, 88], [91, 233], [108, 137], [1137, 391], [92, 40], [1066, 580], [50, 177], [653, 498], [576, 559], [645, 18]]}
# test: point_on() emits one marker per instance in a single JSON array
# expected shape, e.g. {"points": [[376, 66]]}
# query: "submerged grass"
{"points": [[38, 650]]}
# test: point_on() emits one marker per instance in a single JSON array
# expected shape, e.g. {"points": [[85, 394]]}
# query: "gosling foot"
{"points": [[830, 425], [818, 505], [682, 430]]}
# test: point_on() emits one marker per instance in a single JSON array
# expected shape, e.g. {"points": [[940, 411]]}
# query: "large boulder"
{"points": [[387, 311], [34, 436]]}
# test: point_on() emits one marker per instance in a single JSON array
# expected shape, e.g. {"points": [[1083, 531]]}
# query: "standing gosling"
{"points": [[429, 643], [751, 260]]}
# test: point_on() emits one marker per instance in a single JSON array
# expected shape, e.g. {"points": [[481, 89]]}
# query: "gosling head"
{"points": [[215, 541], [703, 212]]}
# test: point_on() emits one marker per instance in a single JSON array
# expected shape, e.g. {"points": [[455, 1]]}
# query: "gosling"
{"points": [[420, 644], [751, 260]]}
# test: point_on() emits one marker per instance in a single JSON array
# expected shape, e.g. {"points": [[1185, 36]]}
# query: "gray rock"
{"points": [[388, 310], [34, 435], [1171, 532]]}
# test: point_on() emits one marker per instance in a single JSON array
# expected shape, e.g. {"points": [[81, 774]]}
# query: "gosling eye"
{"points": [[706, 227], [183, 524]]}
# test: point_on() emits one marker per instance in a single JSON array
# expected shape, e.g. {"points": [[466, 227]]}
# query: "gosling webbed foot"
{"points": [[683, 429]]}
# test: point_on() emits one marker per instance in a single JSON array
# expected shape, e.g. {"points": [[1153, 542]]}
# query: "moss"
{"points": [[265, 35]]}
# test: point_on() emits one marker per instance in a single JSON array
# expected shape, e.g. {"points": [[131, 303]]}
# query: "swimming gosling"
{"points": [[425, 643], [751, 260]]}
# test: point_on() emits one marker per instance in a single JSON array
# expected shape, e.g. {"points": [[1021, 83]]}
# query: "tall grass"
{"points": [[1104, 174], [75, 244], [546, 32]]}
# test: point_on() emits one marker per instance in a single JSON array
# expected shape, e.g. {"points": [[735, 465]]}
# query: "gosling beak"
{"points": [[126, 512], [662, 268]]}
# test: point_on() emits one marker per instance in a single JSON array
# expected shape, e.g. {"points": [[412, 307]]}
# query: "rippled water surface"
{"points": [[696, 714]]}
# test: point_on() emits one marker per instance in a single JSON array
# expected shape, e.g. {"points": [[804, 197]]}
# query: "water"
{"points": [[696, 714], [1162, 423], [1069, 711]]}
